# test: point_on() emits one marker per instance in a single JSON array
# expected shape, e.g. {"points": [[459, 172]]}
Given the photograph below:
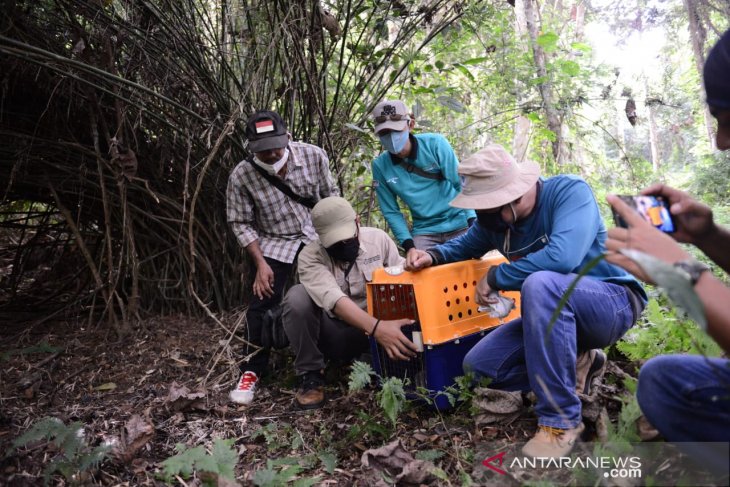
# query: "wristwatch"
{"points": [[692, 268]]}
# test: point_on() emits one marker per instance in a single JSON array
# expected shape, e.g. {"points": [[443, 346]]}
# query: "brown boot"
{"points": [[311, 391], [551, 442], [588, 366]]}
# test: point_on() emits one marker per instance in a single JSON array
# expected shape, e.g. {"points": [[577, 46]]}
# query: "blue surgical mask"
{"points": [[394, 142]]}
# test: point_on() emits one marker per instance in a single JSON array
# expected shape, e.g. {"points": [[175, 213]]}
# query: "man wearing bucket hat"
{"points": [[270, 224], [549, 229], [421, 171], [324, 316]]}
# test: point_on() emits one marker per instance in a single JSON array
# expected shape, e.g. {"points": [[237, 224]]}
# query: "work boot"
{"points": [[551, 442], [588, 366], [311, 391]]}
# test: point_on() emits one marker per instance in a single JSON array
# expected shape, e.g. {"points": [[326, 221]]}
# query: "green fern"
{"points": [[221, 462], [361, 375], [662, 331], [74, 455], [281, 472], [392, 397]]}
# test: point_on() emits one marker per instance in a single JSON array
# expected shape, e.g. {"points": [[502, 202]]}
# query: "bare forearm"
{"points": [[716, 246], [353, 315], [715, 296], [254, 250]]}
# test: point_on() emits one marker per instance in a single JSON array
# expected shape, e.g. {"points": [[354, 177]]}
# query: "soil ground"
{"points": [[167, 384]]}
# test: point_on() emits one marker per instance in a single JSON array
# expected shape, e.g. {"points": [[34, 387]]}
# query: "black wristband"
{"points": [[372, 333], [435, 257], [492, 278], [408, 244]]}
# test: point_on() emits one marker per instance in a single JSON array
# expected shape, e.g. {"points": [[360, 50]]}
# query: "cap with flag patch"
{"points": [[265, 130]]}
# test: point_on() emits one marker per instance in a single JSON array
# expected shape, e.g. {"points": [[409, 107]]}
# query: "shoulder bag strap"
{"points": [[279, 184]]}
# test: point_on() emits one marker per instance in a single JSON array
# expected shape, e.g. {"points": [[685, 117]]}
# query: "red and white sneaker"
{"points": [[244, 391]]}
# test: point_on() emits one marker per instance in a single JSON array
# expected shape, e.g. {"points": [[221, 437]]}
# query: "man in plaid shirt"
{"points": [[270, 225]]}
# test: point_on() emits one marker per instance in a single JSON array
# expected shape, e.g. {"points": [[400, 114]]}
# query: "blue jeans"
{"points": [[687, 398], [525, 354]]}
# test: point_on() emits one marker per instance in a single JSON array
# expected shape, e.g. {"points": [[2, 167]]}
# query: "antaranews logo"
{"points": [[612, 467], [488, 462]]}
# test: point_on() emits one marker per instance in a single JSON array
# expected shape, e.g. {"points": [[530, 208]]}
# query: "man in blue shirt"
{"points": [[549, 229], [421, 170]]}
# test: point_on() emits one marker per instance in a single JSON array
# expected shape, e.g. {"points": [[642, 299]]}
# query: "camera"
{"points": [[654, 209]]}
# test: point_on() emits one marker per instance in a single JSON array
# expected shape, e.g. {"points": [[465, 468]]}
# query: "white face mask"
{"points": [[274, 168]]}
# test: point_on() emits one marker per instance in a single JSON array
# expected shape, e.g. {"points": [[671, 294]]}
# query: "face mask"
{"points": [[493, 221], [394, 142], [274, 168], [344, 250]]}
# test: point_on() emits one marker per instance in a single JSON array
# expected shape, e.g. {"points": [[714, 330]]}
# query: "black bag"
{"points": [[272, 329]]}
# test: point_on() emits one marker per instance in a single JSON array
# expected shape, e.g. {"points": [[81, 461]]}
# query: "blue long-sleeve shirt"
{"points": [[562, 234], [427, 199]]}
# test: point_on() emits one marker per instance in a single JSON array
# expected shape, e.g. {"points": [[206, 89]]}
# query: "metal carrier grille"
{"points": [[394, 302]]}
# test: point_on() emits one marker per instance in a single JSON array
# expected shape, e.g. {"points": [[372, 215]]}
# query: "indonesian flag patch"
{"points": [[264, 126]]}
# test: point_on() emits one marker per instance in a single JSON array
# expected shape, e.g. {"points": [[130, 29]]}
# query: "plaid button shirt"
{"points": [[257, 210]]}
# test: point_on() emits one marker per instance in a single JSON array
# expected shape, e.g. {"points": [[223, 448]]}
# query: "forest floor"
{"points": [[145, 394]]}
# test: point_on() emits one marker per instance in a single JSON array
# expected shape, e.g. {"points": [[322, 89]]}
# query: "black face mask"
{"points": [[344, 250], [493, 221]]}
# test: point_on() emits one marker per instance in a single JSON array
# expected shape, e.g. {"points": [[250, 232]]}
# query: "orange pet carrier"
{"points": [[448, 322]]}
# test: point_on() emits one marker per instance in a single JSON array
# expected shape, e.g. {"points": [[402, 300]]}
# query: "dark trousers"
{"points": [[254, 317], [315, 337]]}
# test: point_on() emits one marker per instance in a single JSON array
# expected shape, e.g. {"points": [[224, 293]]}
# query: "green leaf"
{"points": [[571, 68], [429, 455], [474, 61], [533, 117], [307, 481], [439, 64], [463, 69], [392, 398], [548, 41], [329, 461], [440, 474], [225, 458], [451, 103], [360, 376], [580, 46]]}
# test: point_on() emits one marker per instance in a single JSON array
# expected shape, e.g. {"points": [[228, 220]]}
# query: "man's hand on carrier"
{"points": [[390, 337], [418, 259], [482, 293]]}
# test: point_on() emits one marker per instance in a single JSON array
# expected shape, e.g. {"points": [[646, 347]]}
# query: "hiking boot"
{"points": [[311, 391], [589, 365], [245, 389], [551, 442]]}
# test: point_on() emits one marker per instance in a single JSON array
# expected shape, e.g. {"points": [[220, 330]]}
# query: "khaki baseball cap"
{"points": [[334, 220]]}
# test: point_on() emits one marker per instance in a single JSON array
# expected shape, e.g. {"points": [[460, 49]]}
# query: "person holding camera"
{"points": [[324, 316], [687, 398]]}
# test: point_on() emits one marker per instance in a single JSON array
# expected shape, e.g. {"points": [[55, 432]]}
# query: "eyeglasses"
{"points": [[395, 118]]}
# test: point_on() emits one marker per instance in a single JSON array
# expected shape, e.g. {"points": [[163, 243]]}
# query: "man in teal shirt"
{"points": [[421, 170]]}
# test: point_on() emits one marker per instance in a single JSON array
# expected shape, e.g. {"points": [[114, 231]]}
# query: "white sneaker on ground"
{"points": [[245, 389]]}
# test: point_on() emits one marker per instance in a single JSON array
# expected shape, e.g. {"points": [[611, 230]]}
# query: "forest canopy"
{"points": [[120, 121]]}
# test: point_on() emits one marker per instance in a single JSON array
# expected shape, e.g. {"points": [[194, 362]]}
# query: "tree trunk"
{"points": [[653, 139], [546, 90], [698, 36], [523, 126]]}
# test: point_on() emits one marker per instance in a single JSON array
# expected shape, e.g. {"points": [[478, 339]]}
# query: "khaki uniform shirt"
{"points": [[324, 279]]}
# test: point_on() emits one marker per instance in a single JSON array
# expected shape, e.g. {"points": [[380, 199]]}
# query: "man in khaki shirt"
{"points": [[324, 316]]}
